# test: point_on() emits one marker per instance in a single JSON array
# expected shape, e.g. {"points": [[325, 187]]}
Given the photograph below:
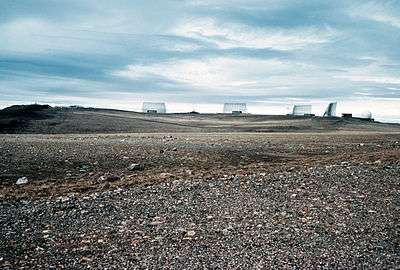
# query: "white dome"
{"points": [[366, 115]]}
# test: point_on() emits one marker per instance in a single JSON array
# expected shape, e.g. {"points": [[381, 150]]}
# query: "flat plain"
{"points": [[207, 191]]}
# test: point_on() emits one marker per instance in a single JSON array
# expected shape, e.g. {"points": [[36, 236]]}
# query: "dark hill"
{"points": [[29, 111], [16, 118]]}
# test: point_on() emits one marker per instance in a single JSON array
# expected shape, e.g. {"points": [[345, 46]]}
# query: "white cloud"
{"points": [[372, 73], [372, 79], [233, 35], [177, 46], [38, 36], [386, 19], [18, 35], [379, 11], [223, 73]]}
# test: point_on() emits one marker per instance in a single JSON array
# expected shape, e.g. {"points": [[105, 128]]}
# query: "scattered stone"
{"points": [[63, 199], [322, 214], [166, 175], [190, 233], [157, 221], [136, 167], [225, 231], [109, 178], [22, 181]]}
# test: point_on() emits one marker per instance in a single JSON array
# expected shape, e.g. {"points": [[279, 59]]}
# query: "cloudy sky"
{"points": [[198, 54]]}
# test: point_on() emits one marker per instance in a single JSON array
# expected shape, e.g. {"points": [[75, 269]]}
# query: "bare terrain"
{"points": [[44, 120], [129, 190]]}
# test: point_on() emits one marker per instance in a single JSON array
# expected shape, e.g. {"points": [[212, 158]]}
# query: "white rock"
{"points": [[190, 233], [136, 167], [22, 180]]}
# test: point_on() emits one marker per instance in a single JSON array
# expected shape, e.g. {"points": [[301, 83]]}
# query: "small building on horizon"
{"points": [[154, 107], [302, 110], [235, 108], [365, 116]]}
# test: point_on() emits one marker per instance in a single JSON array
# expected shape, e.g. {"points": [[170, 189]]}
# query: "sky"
{"points": [[196, 55]]}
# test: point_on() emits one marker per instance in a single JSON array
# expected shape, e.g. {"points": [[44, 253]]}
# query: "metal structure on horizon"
{"points": [[330, 110], [302, 110], [235, 108], [154, 107]]}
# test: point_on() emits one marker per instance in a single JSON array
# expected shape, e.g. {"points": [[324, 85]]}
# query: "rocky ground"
{"points": [[241, 200]]}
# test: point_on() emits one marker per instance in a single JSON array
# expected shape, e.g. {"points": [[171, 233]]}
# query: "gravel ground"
{"points": [[306, 201]]}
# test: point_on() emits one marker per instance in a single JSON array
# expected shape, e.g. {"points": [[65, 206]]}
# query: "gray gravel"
{"points": [[343, 215]]}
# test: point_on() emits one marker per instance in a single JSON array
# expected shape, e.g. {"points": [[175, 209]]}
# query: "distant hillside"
{"points": [[60, 120], [31, 111], [17, 117]]}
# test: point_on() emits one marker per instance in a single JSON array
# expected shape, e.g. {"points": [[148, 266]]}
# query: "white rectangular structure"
{"points": [[235, 108], [154, 107], [301, 109]]}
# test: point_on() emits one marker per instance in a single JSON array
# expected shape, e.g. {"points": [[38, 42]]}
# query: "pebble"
{"points": [[109, 178], [136, 167], [22, 181], [190, 233]]}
